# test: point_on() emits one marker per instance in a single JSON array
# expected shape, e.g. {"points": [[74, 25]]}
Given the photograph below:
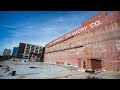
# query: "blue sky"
{"points": [[38, 27]]}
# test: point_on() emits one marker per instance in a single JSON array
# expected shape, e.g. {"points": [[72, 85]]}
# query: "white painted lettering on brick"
{"points": [[92, 25], [96, 23]]}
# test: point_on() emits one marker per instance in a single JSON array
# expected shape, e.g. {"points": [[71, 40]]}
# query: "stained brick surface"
{"points": [[102, 41]]}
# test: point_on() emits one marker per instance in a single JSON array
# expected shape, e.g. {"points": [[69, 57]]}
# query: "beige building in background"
{"points": [[6, 52]]}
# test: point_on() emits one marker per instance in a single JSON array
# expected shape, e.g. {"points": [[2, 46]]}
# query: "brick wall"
{"points": [[20, 50], [102, 42]]}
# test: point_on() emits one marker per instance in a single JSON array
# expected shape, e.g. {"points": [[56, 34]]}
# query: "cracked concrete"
{"points": [[50, 71]]}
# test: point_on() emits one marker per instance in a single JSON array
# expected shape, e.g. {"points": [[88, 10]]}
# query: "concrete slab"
{"points": [[49, 71]]}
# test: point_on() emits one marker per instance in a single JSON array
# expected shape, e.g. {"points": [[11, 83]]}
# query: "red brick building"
{"points": [[94, 45]]}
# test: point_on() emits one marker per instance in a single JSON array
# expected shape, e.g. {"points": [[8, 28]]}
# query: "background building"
{"points": [[15, 51], [6, 52], [94, 46], [29, 51]]}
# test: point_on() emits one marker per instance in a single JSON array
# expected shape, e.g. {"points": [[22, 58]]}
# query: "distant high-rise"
{"points": [[6, 52], [15, 51]]}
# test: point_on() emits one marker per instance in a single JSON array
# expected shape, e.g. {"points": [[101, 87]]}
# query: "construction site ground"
{"points": [[41, 70]]}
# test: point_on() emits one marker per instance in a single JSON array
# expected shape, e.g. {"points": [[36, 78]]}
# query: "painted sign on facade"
{"points": [[77, 31]]}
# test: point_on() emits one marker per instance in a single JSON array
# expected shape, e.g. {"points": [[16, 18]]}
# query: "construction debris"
{"points": [[13, 73], [7, 69]]}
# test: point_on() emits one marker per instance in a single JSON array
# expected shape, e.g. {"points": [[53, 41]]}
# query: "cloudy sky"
{"points": [[38, 27]]}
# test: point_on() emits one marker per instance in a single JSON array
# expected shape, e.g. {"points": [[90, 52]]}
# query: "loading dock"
{"points": [[91, 64]]}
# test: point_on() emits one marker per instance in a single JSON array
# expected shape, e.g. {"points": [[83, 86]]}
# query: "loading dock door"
{"points": [[90, 63], [84, 64], [96, 64]]}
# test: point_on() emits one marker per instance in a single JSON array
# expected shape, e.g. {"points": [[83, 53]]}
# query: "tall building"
{"points": [[27, 50], [94, 46], [15, 51], [6, 52]]}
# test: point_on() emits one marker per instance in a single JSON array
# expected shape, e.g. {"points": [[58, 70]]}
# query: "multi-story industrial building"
{"points": [[27, 50], [94, 46], [6, 52], [15, 51]]}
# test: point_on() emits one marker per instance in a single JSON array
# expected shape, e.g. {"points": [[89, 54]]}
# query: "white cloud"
{"points": [[8, 26], [60, 19]]}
